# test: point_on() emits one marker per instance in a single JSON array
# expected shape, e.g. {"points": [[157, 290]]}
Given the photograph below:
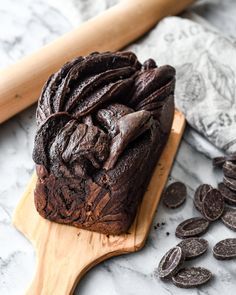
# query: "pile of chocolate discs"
{"points": [[213, 204]]}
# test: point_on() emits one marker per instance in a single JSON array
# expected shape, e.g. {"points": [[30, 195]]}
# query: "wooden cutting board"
{"points": [[65, 253]]}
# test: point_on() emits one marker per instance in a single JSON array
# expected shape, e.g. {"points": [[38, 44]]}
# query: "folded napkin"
{"points": [[206, 75]]}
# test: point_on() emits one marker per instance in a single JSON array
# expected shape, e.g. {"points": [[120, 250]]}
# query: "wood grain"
{"points": [[65, 253], [21, 83]]}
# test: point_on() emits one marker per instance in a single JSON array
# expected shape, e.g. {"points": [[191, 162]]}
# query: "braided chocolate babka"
{"points": [[103, 121]]}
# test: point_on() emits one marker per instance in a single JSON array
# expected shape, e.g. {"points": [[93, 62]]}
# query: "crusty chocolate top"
{"points": [[95, 106]]}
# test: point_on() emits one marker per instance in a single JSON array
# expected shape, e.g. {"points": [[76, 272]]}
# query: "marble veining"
{"points": [[27, 25]]}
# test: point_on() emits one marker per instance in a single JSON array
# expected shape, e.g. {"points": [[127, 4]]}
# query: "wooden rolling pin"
{"points": [[21, 83]]}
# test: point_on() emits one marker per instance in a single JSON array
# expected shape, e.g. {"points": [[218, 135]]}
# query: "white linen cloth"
{"points": [[205, 62]]}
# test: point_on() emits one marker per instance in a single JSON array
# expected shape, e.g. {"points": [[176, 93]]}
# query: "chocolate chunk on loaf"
{"points": [[103, 121]]}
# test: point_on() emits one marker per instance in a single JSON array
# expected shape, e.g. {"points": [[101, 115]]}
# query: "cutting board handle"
{"points": [[57, 272]]}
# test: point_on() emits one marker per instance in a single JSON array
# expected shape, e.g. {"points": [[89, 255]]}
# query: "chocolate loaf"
{"points": [[103, 121]]}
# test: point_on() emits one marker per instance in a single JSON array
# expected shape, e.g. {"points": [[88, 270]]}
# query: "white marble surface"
{"points": [[25, 26]]}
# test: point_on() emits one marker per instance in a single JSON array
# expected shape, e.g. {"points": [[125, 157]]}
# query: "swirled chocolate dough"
{"points": [[103, 121]]}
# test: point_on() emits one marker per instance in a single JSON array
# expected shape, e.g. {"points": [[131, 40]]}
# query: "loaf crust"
{"points": [[103, 121]]}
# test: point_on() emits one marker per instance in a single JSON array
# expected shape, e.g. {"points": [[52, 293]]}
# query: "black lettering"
{"points": [[169, 38], [229, 120], [225, 119], [221, 119], [182, 35]]}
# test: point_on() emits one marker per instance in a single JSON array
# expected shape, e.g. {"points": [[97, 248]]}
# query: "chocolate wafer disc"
{"points": [[228, 194], [230, 182], [219, 161], [170, 263], [193, 247], [229, 169], [213, 205], [199, 195], [225, 249], [175, 195], [231, 157], [192, 227], [191, 277], [229, 218]]}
